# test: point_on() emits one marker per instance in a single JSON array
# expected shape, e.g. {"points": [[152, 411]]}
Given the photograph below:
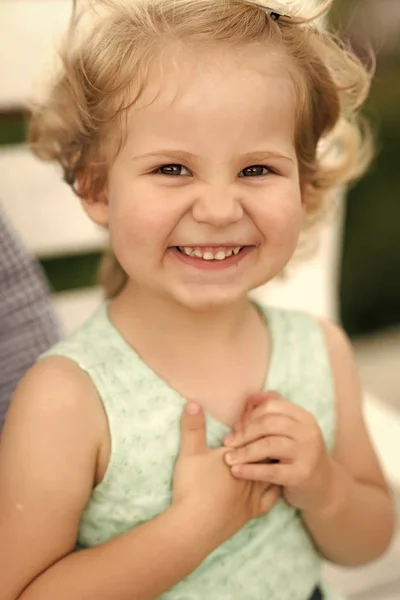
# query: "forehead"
{"points": [[216, 90]]}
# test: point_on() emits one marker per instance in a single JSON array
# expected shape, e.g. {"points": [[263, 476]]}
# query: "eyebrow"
{"points": [[265, 154], [259, 155]]}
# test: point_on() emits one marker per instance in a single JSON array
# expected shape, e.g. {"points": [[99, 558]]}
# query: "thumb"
{"points": [[193, 430]]}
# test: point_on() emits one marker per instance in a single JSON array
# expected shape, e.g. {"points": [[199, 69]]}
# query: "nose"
{"points": [[217, 206]]}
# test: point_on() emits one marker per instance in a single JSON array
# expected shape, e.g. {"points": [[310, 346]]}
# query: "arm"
{"points": [[344, 500], [47, 464], [140, 565], [357, 522]]}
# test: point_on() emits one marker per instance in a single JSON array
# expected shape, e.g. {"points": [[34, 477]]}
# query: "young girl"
{"points": [[187, 442]]}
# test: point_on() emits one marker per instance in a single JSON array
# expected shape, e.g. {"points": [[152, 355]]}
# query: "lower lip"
{"points": [[212, 265]]}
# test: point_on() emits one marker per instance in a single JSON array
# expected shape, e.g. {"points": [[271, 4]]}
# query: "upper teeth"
{"points": [[208, 254]]}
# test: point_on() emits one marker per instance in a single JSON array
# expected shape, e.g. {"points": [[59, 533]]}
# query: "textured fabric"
{"points": [[272, 557], [27, 323]]}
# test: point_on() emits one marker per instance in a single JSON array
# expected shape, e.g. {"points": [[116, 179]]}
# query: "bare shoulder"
{"points": [[55, 396], [54, 386], [348, 391], [48, 456], [353, 447], [339, 346], [347, 385]]}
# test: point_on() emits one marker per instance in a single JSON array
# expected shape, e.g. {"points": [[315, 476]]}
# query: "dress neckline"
{"points": [[215, 425]]}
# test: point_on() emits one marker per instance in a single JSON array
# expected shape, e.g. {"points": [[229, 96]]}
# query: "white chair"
{"points": [[43, 210], [51, 222]]}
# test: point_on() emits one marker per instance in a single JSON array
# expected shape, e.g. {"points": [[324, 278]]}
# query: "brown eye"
{"points": [[173, 170], [254, 171]]}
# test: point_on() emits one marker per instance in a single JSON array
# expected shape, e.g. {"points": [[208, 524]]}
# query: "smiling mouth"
{"points": [[210, 252]]}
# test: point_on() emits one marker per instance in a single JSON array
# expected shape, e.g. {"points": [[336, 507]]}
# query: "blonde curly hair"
{"points": [[109, 48]]}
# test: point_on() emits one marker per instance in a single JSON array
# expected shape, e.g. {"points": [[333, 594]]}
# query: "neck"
{"points": [[140, 313]]}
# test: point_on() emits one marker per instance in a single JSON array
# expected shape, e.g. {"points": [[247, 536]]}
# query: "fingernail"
{"points": [[236, 470], [192, 408]]}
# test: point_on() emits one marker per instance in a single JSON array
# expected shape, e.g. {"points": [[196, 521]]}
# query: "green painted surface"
{"points": [[12, 128], [72, 272]]}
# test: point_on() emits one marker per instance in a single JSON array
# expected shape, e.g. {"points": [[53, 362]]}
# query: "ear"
{"points": [[97, 208], [95, 203]]}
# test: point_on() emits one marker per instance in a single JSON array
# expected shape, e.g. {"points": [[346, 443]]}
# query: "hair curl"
{"points": [[108, 50]]}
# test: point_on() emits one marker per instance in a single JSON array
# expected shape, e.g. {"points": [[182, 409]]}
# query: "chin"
{"points": [[204, 300]]}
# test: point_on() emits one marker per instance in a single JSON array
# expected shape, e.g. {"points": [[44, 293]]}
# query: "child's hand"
{"points": [[276, 441], [221, 504]]}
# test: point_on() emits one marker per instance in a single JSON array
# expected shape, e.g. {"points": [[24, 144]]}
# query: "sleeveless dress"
{"points": [[272, 557]]}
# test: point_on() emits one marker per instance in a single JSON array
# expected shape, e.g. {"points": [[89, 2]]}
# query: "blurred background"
{"points": [[370, 265], [354, 279]]}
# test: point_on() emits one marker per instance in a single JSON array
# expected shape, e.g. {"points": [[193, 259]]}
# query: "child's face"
{"points": [[184, 177]]}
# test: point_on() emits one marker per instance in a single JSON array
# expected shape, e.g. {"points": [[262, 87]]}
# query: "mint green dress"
{"points": [[272, 557]]}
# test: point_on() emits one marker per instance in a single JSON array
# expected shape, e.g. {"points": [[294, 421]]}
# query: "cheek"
{"points": [[283, 222], [139, 218]]}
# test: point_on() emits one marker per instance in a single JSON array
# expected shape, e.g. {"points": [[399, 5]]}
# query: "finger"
{"points": [[193, 430], [266, 425], [278, 474], [269, 498], [271, 447], [252, 403], [258, 399], [243, 420], [280, 406], [255, 401]]}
